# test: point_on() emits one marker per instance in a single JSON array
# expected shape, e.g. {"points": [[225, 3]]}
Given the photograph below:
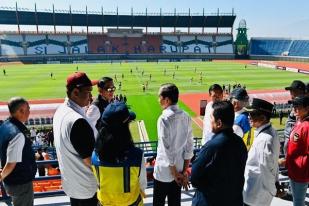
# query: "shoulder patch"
{"points": [[296, 137]]}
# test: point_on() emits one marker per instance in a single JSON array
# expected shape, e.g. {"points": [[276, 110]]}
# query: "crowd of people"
{"points": [[99, 164]]}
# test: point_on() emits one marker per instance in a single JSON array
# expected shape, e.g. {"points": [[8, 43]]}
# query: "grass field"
{"points": [[34, 82]]}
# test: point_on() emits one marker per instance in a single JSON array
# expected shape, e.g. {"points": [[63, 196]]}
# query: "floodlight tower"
{"points": [[242, 43]]}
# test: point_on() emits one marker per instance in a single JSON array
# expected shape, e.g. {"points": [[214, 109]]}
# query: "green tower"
{"points": [[242, 43]]}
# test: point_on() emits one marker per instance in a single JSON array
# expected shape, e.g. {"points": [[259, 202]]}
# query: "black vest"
{"points": [[25, 170], [101, 104]]}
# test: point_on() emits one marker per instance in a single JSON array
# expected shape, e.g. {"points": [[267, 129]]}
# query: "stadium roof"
{"points": [[68, 18]]}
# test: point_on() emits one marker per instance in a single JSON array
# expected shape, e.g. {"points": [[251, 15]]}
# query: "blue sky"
{"points": [[265, 18]]}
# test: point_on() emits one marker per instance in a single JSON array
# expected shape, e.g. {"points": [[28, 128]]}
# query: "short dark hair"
{"points": [[215, 87], [103, 81], [170, 91], [15, 103], [224, 111]]}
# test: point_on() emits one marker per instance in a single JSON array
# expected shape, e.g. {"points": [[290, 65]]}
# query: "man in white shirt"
{"points": [[175, 148], [74, 142], [261, 170], [215, 94]]}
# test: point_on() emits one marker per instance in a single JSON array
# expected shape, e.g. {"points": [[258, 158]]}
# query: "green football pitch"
{"points": [[34, 81]]}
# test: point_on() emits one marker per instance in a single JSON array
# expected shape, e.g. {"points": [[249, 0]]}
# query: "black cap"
{"points": [[260, 105], [239, 94], [300, 101], [297, 84], [116, 114]]}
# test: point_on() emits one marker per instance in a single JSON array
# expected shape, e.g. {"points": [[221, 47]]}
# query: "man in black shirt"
{"points": [[218, 171], [106, 91]]}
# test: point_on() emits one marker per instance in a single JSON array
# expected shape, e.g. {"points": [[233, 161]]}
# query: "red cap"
{"points": [[79, 79]]}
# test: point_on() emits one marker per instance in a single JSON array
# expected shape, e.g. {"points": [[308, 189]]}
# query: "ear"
{"points": [[219, 123], [75, 92]]}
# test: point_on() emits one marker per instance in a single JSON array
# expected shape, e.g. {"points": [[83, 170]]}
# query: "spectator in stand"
{"points": [[297, 159], [116, 160], [50, 138], [32, 134], [175, 149], [297, 88], [215, 94], [16, 154], [106, 91], [218, 171], [280, 116], [39, 157], [261, 171], [74, 142], [239, 98]]}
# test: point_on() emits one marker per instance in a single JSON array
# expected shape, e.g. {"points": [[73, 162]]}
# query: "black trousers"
{"points": [[85, 202], [171, 190]]}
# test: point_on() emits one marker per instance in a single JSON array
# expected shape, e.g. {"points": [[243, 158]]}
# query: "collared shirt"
{"points": [[261, 171], [74, 141], [15, 148], [207, 131], [175, 142]]}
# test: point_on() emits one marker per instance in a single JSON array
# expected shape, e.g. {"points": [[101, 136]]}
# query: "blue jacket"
{"points": [[25, 170], [242, 120], [218, 171]]}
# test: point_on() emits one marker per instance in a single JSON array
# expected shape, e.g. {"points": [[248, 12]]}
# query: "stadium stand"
{"points": [[299, 48], [263, 46]]}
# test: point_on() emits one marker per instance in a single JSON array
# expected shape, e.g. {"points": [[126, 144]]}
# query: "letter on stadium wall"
{"points": [[39, 50], [197, 49], [162, 49], [75, 50]]}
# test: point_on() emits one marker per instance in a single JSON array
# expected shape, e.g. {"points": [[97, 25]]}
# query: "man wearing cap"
{"points": [[297, 88], [262, 165], [74, 142], [106, 91], [175, 148], [239, 98], [297, 158]]}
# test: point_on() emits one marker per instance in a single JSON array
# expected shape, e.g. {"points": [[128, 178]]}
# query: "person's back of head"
{"points": [[239, 98], [168, 94], [223, 116], [115, 136]]}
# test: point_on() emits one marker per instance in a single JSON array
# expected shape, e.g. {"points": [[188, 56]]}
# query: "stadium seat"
{"points": [[42, 120], [48, 120], [31, 121], [37, 121], [37, 188]]}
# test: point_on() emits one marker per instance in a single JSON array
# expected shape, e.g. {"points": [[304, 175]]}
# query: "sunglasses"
{"points": [[110, 89]]}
